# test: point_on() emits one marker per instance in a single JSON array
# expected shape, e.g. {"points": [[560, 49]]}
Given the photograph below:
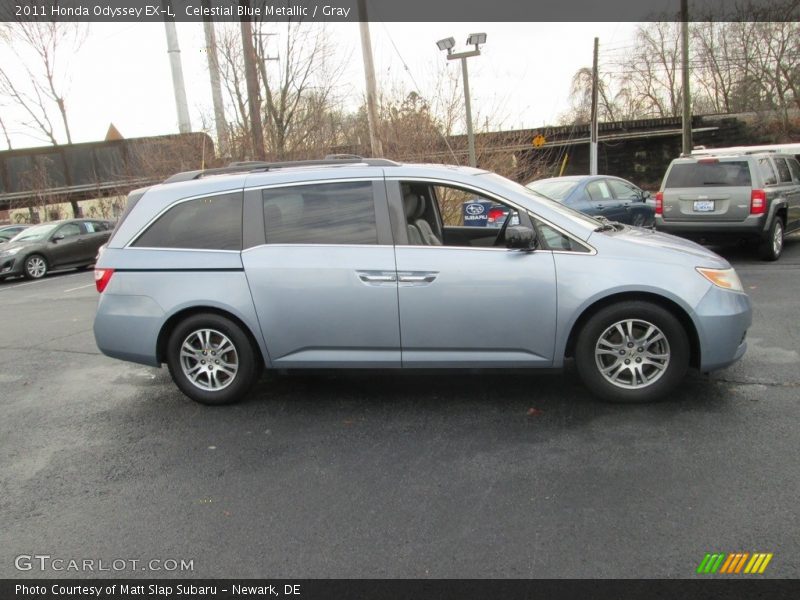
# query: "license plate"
{"points": [[704, 206]]}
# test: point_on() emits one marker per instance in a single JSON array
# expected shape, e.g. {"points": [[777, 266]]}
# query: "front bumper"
{"points": [[722, 319], [11, 265]]}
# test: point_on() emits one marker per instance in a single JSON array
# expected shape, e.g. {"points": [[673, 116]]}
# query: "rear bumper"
{"points": [[723, 318], [127, 327], [753, 227]]}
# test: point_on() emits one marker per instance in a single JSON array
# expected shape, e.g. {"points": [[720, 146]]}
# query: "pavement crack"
{"points": [[37, 347], [776, 384]]}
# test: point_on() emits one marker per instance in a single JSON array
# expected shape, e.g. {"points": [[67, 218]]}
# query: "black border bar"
{"points": [[731, 588], [445, 11]]}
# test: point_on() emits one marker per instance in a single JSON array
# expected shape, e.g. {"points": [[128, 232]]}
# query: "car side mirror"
{"points": [[57, 237], [520, 237], [645, 195]]}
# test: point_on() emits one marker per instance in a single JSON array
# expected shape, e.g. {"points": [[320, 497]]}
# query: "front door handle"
{"points": [[417, 277]]}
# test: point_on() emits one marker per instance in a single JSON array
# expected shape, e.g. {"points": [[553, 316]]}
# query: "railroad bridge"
{"points": [[638, 150]]}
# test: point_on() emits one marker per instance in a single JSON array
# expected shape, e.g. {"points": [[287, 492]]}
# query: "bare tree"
{"points": [[36, 82]]}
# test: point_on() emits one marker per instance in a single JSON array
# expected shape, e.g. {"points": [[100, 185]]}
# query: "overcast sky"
{"points": [[121, 73]]}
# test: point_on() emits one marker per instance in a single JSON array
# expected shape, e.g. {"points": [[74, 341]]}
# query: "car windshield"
{"points": [[576, 216], [553, 189], [35, 234]]}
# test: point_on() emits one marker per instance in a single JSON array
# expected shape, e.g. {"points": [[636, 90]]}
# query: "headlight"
{"points": [[725, 278]]}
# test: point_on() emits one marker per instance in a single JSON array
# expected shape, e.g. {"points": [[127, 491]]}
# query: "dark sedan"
{"points": [[67, 244], [600, 196]]}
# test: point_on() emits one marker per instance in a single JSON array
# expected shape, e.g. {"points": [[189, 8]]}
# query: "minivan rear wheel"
{"points": [[772, 245], [632, 352], [211, 359]]}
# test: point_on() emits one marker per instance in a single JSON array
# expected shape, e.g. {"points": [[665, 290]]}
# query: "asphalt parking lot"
{"points": [[388, 474]]}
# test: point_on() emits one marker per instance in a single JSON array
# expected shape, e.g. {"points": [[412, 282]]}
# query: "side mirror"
{"points": [[645, 195], [520, 237], [57, 237]]}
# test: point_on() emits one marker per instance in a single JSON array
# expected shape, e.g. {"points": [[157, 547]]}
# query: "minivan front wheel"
{"points": [[772, 245], [632, 352], [211, 359]]}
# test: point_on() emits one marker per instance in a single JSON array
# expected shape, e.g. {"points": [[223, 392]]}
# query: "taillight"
{"points": [[101, 278], [758, 202], [659, 203]]}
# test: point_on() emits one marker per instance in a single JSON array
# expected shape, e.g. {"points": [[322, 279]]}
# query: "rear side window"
{"points": [[767, 172], [327, 213], [598, 190], [794, 167], [720, 174], [783, 170], [212, 223]]}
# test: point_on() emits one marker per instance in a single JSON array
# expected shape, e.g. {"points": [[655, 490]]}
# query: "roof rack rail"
{"points": [[250, 166]]}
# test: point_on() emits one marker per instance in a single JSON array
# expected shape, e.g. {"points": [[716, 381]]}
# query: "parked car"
{"points": [[600, 196], [349, 264], [9, 231], [730, 196], [37, 250]]}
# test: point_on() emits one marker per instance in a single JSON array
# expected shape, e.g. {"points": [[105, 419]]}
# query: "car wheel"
{"points": [[35, 267], [638, 220], [632, 352], [211, 359], [772, 246]]}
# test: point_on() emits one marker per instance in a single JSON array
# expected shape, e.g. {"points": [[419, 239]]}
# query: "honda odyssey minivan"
{"points": [[365, 263]]}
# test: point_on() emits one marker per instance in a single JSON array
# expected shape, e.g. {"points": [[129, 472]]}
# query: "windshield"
{"points": [[35, 234], [553, 189], [576, 216]]}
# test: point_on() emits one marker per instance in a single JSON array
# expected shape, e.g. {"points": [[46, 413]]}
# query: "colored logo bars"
{"points": [[738, 562]]}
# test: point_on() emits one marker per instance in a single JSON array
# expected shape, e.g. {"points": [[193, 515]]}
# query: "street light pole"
{"points": [[475, 39], [473, 161]]}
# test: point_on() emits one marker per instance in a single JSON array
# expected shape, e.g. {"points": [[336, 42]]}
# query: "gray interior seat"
{"points": [[428, 237], [411, 204]]}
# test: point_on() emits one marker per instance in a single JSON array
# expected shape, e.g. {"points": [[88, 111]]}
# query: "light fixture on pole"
{"points": [[447, 44]]}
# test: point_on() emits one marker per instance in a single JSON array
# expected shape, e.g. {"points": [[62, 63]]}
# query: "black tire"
{"points": [[771, 247], [35, 267], [628, 387], [245, 357]]}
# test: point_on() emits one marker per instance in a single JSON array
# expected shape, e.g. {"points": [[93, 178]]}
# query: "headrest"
{"points": [[410, 205]]}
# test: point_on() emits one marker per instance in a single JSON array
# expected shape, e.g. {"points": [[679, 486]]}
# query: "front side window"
{"points": [[623, 191], [69, 230], [324, 213], [212, 223]]}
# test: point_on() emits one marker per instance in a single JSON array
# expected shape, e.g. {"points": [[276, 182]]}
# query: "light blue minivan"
{"points": [[365, 263]]}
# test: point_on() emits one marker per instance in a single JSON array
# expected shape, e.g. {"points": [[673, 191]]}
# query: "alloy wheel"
{"points": [[632, 354], [209, 359]]}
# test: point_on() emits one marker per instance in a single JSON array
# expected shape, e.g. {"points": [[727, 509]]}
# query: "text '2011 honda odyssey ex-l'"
{"points": [[366, 263]]}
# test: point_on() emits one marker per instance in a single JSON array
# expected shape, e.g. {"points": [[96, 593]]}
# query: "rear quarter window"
{"points": [[767, 172], [709, 174], [211, 223], [783, 170]]}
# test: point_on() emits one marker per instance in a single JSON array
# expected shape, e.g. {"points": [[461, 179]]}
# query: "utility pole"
{"points": [[174, 51], [253, 97], [687, 98], [593, 126], [369, 76], [220, 123]]}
